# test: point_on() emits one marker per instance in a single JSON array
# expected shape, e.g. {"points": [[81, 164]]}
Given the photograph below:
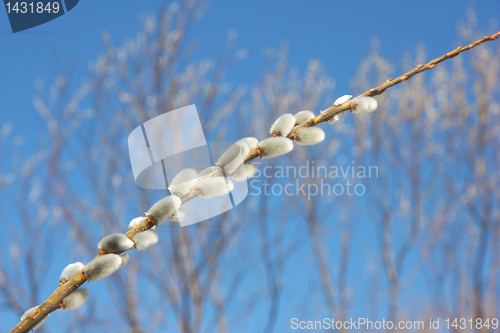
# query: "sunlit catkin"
{"points": [[245, 172], [250, 141], [164, 208], [183, 182], [115, 243], [309, 135], [145, 239], [283, 125], [102, 266], [364, 104], [70, 271], [342, 99], [74, 300], [303, 116], [214, 186], [275, 146]]}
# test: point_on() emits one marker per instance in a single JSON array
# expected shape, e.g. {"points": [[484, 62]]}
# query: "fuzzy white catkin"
{"points": [[179, 216], [125, 257], [275, 146], [335, 118], [145, 239], [102, 266], [115, 243], [245, 172], [214, 186], [342, 99], [283, 125], [76, 299], [137, 221], [207, 171], [164, 208], [364, 104], [183, 182], [70, 271], [244, 148], [303, 116], [251, 142], [40, 322], [232, 158], [309, 135]]}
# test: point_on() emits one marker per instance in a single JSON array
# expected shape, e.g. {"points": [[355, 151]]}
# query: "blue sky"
{"points": [[338, 33]]}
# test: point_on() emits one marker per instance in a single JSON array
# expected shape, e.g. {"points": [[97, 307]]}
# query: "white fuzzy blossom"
{"points": [[31, 310], [70, 271], [309, 135], [164, 208], [335, 118], [245, 172], [303, 116], [244, 148], [214, 186], [251, 142], [364, 104], [283, 125], [341, 100], [275, 146], [183, 182], [179, 216], [102, 266], [74, 300], [138, 220], [125, 257], [232, 158], [115, 243], [207, 171], [145, 239]]}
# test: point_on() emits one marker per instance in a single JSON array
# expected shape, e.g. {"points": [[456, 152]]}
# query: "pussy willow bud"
{"points": [[138, 220], [179, 216], [275, 146], [164, 208], [283, 125], [207, 171], [102, 266], [74, 300], [233, 157], [303, 116], [183, 182], [309, 135], [364, 104], [251, 142], [70, 271], [341, 100], [125, 257], [335, 118], [33, 309], [115, 243], [145, 239], [245, 172], [214, 186]]}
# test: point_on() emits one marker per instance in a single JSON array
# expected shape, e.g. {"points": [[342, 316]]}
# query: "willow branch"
{"points": [[53, 302], [334, 109]]}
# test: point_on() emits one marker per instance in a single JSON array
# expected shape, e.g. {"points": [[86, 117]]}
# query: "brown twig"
{"points": [[53, 302]]}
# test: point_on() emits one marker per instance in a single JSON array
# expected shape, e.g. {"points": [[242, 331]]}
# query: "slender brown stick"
{"points": [[53, 302]]}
